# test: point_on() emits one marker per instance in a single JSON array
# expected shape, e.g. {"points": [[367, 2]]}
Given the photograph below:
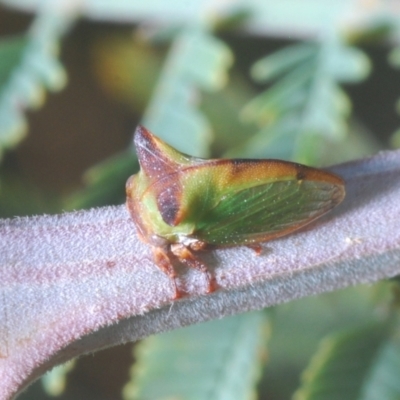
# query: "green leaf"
{"points": [[383, 382], [284, 94], [342, 364], [54, 381], [299, 326], [197, 60], [28, 66], [222, 109], [11, 52], [215, 360], [12, 125], [269, 142], [305, 92], [348, 64], [280, 62], [326, 111]]}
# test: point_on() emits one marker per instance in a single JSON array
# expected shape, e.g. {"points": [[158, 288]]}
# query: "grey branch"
{"points": [[78, 282]]}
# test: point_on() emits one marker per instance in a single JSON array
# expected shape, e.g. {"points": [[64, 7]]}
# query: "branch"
{"points": [[78, 282]]}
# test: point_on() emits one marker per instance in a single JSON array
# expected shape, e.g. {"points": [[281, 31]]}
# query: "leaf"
{"points": [[54, 381], [286, 19], [29, 66], [305, 92], [286, 93], [342, 364], [310, 319], [196, 60], [348, 64], [215, 360], [222, 109], [280, 62], [383, 382], [11, 51], [269, 142]]}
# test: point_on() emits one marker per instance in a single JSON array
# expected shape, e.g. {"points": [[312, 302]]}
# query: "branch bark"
{"points": [[78, 282]]}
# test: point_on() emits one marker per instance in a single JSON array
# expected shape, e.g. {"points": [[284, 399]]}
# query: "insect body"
{"points": [[182, 204]]}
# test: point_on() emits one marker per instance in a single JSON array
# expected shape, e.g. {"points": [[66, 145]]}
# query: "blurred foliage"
{"points": [[105, 182], [19, 194], [341, 364], [28, 66], [54, 382], [305, 108], [172, 112], [224, 364], [278, 99], [394, 60]]}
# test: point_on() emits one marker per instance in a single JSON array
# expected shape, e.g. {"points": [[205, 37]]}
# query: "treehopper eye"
{"points": [[182, 204]]}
